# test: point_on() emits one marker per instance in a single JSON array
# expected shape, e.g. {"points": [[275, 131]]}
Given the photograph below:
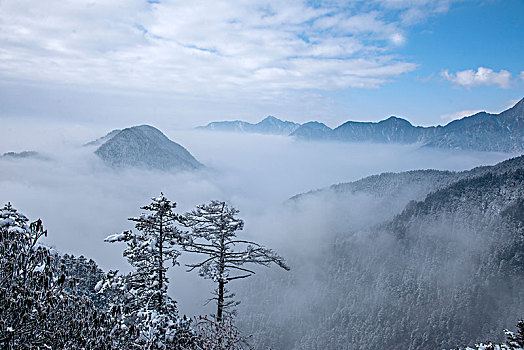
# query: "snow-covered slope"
{"points": [[443, 270], [146, 147], [103, 139], [407, 185]]}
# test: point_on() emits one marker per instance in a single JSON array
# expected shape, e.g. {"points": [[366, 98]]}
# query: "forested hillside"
{"points": [[446, 270]]}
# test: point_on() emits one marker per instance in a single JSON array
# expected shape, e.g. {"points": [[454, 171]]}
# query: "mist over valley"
{"points": [[348, 216], [254, 175]]}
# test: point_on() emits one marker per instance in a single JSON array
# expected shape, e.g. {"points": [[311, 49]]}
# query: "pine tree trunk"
{"points": [[160, 267], [220, 301], [222, 266]]}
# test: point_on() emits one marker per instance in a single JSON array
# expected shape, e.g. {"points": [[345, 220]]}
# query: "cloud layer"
{"points": [[81, 201], [209, 47]]}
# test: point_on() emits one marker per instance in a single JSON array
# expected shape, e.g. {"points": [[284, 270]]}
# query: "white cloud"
{"points": [[398, 39], [483, 76], [522, 75], [212, 48], [415, 11]]}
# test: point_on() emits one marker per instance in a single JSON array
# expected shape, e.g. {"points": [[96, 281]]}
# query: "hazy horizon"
{"points": [[106, 62]]}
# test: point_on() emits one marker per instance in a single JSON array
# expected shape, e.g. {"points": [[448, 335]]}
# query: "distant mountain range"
{"points": [[418, 256], [503, 132], [23, 155], [144, 147], [269, 125]]}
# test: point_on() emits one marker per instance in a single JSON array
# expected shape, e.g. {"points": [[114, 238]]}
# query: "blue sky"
{"points": [[185, 63], [468, 36]]}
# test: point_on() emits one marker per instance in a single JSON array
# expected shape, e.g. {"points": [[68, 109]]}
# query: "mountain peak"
{"points": [[275, 121], [273, 125], [143, 129], [397, 120], [391, 130], [312, 131], [144, 146], [270, 118], [315, 124]]}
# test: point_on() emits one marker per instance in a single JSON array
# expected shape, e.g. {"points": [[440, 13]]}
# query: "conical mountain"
{"points": [[146, 147], [272, 125]]}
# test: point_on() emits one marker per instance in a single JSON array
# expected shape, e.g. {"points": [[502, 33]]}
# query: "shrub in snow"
{"points": [[40, 304], [213, 335], [514, 341]]}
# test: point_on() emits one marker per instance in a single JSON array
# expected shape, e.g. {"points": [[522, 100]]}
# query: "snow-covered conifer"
{"points": [[146, 303], [214, 229], [514, 341]]}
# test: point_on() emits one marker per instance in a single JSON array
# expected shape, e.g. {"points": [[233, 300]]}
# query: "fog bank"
{"points": [[81, 201]]}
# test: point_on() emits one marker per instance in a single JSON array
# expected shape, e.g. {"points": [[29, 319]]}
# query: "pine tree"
{"points": [[515, 340], [213, 234], [145, 300]]}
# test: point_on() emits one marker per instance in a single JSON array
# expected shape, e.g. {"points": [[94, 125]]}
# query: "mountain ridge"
{"points": [[381, 184], [425, 274], [99, 141], [488, 132], [268, 125]]}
